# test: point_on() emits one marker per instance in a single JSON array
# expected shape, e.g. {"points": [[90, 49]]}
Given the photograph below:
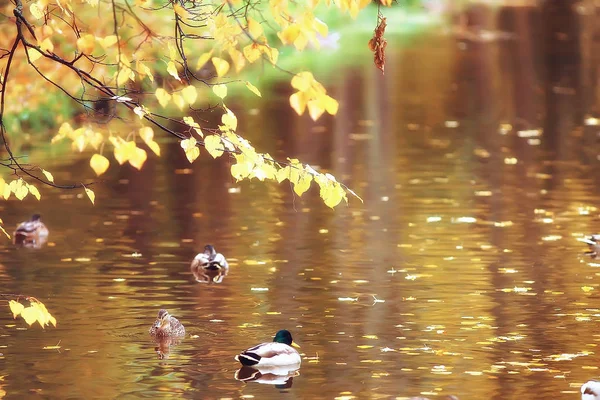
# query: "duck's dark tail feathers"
{"points": [[247, 358]]}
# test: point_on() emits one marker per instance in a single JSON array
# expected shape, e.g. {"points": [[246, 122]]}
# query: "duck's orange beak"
{"points": [[296, 345]]}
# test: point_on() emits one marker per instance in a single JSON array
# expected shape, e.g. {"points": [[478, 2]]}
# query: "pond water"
{"points": [[459, 275]]}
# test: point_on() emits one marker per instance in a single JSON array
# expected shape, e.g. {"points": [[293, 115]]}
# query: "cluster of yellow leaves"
{"points": [[251, 164], [313, 95], [304, 30], [35, 312], [80, 137], [19, 188], [124, 150], [187, 95]]}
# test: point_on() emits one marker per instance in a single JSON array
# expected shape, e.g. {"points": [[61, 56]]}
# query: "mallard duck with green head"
{"points": [[277, 353], [31, 233], [166, 326]]}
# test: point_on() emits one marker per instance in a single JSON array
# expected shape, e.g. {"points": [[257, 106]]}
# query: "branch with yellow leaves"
{"points": [[35, 312]]}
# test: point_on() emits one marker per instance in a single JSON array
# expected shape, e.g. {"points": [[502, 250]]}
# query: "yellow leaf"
{"points": [[229, 120], [283, 174], [107, 41], [48, 175], [147, 135], [265, 171], [162, 96], [212, 144], [172, 51], [220, 90], [34, 191], [253, 89], [172, 70], [138, 158], [303, 81], [123, 75], [254, 28], [189, 94], [301, 42], [321, 27], [154, 147], [242, 169], [331, 105], [143, 70], [99, 164], [3, 230], [7, 191], [179, 101], [315, 109], [289, 34], [47, 45], [272, 54], [21, 190], [85, 43], [252, 52], [221, 66], [191, 151], [203, 59], [33, 54], [90, 193], [238, 58], [298, 102], [303, 184], [15, 307], [36, 11], [29, 314]]}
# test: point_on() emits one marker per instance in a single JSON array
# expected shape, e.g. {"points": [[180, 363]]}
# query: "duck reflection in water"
{"points": [[31, 234], [209, 266], [281, 378], [163, 346], [594, 244]]}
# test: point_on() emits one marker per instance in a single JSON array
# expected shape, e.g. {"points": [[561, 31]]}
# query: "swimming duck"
{"points": [[32, 233], [277, 353], [166, 326], [210, 259], [594, 243], [590, 390]]}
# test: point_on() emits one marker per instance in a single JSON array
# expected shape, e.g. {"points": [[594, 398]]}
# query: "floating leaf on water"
{"points": [[464, 220], [347, 299], [55, 347]]}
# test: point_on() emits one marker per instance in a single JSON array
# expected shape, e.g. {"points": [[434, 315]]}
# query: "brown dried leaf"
{"points": [[377, 44]]}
